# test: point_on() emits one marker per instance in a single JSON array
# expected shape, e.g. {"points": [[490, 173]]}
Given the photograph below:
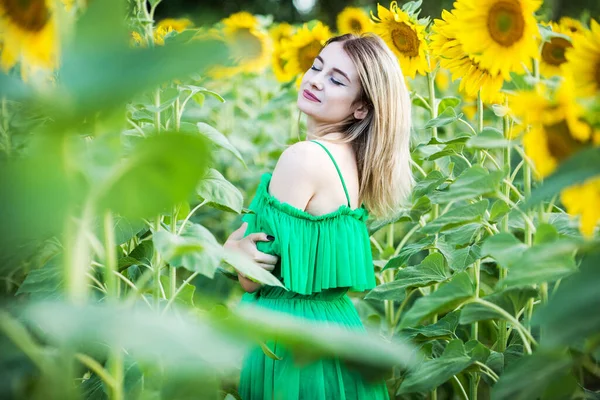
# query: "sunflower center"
{"points": [[307, 54], [553, 52], [246, 44], [505, 22], [560, 142], [405, 40], [355, 25], [29, 15]]}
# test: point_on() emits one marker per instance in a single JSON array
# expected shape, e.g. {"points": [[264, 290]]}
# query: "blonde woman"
{"points": [[308, 225]]}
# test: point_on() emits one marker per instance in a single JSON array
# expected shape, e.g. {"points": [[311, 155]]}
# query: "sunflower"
{"points": [[28, 35], [571, 25], [583, 61], [353, 20], [303, 47], [404, 36], [249, 45], [474, 78], [583, 200], [553, 51], [176, 24], [500, 34], [281, 31], [556, 129]]}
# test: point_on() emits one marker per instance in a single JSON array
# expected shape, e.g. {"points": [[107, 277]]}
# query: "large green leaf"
{"points": [[432, 373], [489, 138], [431, 270], [457, 216], [428, 184], [247, 267], [528, 377], [541, 263], [408, 251], [207, 342], [443, 329], [196, 249], [472, 182], [446, 117], [459, 259], [512, 300], [162, 171], [504, 248], [45, 283], [99, 70], [214, 136], [572, 313], [576, 169], [219, 192], [462, 234], [446, 297]]}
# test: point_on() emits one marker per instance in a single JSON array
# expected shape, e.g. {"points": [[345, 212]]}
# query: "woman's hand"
{"points": [[247, 245]]}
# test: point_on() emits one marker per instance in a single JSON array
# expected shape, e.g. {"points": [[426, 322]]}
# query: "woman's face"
{"points": [[330, 87]]}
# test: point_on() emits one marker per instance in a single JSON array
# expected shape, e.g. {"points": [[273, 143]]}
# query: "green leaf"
{"points": [[456, 217], [431, 270], [447, 297], [214, 136], [45, 283], [428, 184], [504, 248], [489, 138], [443, 329], [196, 249], [185, 297], [219, 192], [512, 300], [447, 117], [579, 167], [499, 210], [541, 263], [571, 313], [446, 102], [432, 373], [545, 233], [461, 139], [474, 181], [99, 70], [529, 376], [125, 228], [462, 234], [161, 171], [407, 252], [250, 269], [459, 259]]}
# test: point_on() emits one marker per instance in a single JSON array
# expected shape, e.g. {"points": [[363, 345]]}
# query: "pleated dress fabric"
{"points": [[321, 258]]}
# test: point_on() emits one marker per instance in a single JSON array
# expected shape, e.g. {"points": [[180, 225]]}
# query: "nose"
{"points": [[315, 82]]}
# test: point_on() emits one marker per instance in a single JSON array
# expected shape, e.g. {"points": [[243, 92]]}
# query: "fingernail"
{"points": [[270, 238]]}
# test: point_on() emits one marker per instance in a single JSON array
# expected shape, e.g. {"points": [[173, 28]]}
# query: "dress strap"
{"points": [[338, 170]]}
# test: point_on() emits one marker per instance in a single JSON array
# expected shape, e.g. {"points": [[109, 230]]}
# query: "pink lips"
{"points": [[310, 96]]}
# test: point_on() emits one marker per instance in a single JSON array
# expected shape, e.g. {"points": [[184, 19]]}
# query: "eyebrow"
{"points": [[335, 69]]}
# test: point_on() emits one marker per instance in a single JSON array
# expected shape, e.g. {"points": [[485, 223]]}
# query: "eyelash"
{"points": [[336, 82]]}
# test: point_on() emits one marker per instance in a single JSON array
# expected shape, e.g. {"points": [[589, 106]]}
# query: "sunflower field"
{"points": [[130, 148]]}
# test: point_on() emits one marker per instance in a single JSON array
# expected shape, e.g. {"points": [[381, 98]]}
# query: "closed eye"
{"points": [[335, 81]]}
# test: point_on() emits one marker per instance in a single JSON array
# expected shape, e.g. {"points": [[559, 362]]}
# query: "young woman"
{"points": [[308, 225]]}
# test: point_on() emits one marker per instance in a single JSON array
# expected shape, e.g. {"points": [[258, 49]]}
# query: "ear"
{"points": [[361, 112]]}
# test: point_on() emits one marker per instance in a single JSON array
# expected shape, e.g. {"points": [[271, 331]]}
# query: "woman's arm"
{"points": [[247, 245]]}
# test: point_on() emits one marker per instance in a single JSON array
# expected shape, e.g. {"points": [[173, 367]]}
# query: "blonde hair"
{"points": [[381, 140]]}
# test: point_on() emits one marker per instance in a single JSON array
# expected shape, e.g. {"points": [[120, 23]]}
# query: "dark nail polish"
{"points": [[270, 238]]}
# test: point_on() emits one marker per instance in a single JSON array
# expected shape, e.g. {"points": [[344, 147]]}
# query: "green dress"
{"points": [[320, 259]]}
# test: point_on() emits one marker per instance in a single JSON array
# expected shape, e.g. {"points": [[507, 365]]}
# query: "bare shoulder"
{"points": [[296, 175]]}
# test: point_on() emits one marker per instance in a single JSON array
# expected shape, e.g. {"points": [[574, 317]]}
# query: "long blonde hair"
{"points": [[381, 140]]}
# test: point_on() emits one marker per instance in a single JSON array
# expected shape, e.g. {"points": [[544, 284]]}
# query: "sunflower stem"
{"points": [[502, 326], [435, 210]]}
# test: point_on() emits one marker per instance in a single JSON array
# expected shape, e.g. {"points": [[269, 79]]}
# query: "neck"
{"points": [[313, 129]]}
